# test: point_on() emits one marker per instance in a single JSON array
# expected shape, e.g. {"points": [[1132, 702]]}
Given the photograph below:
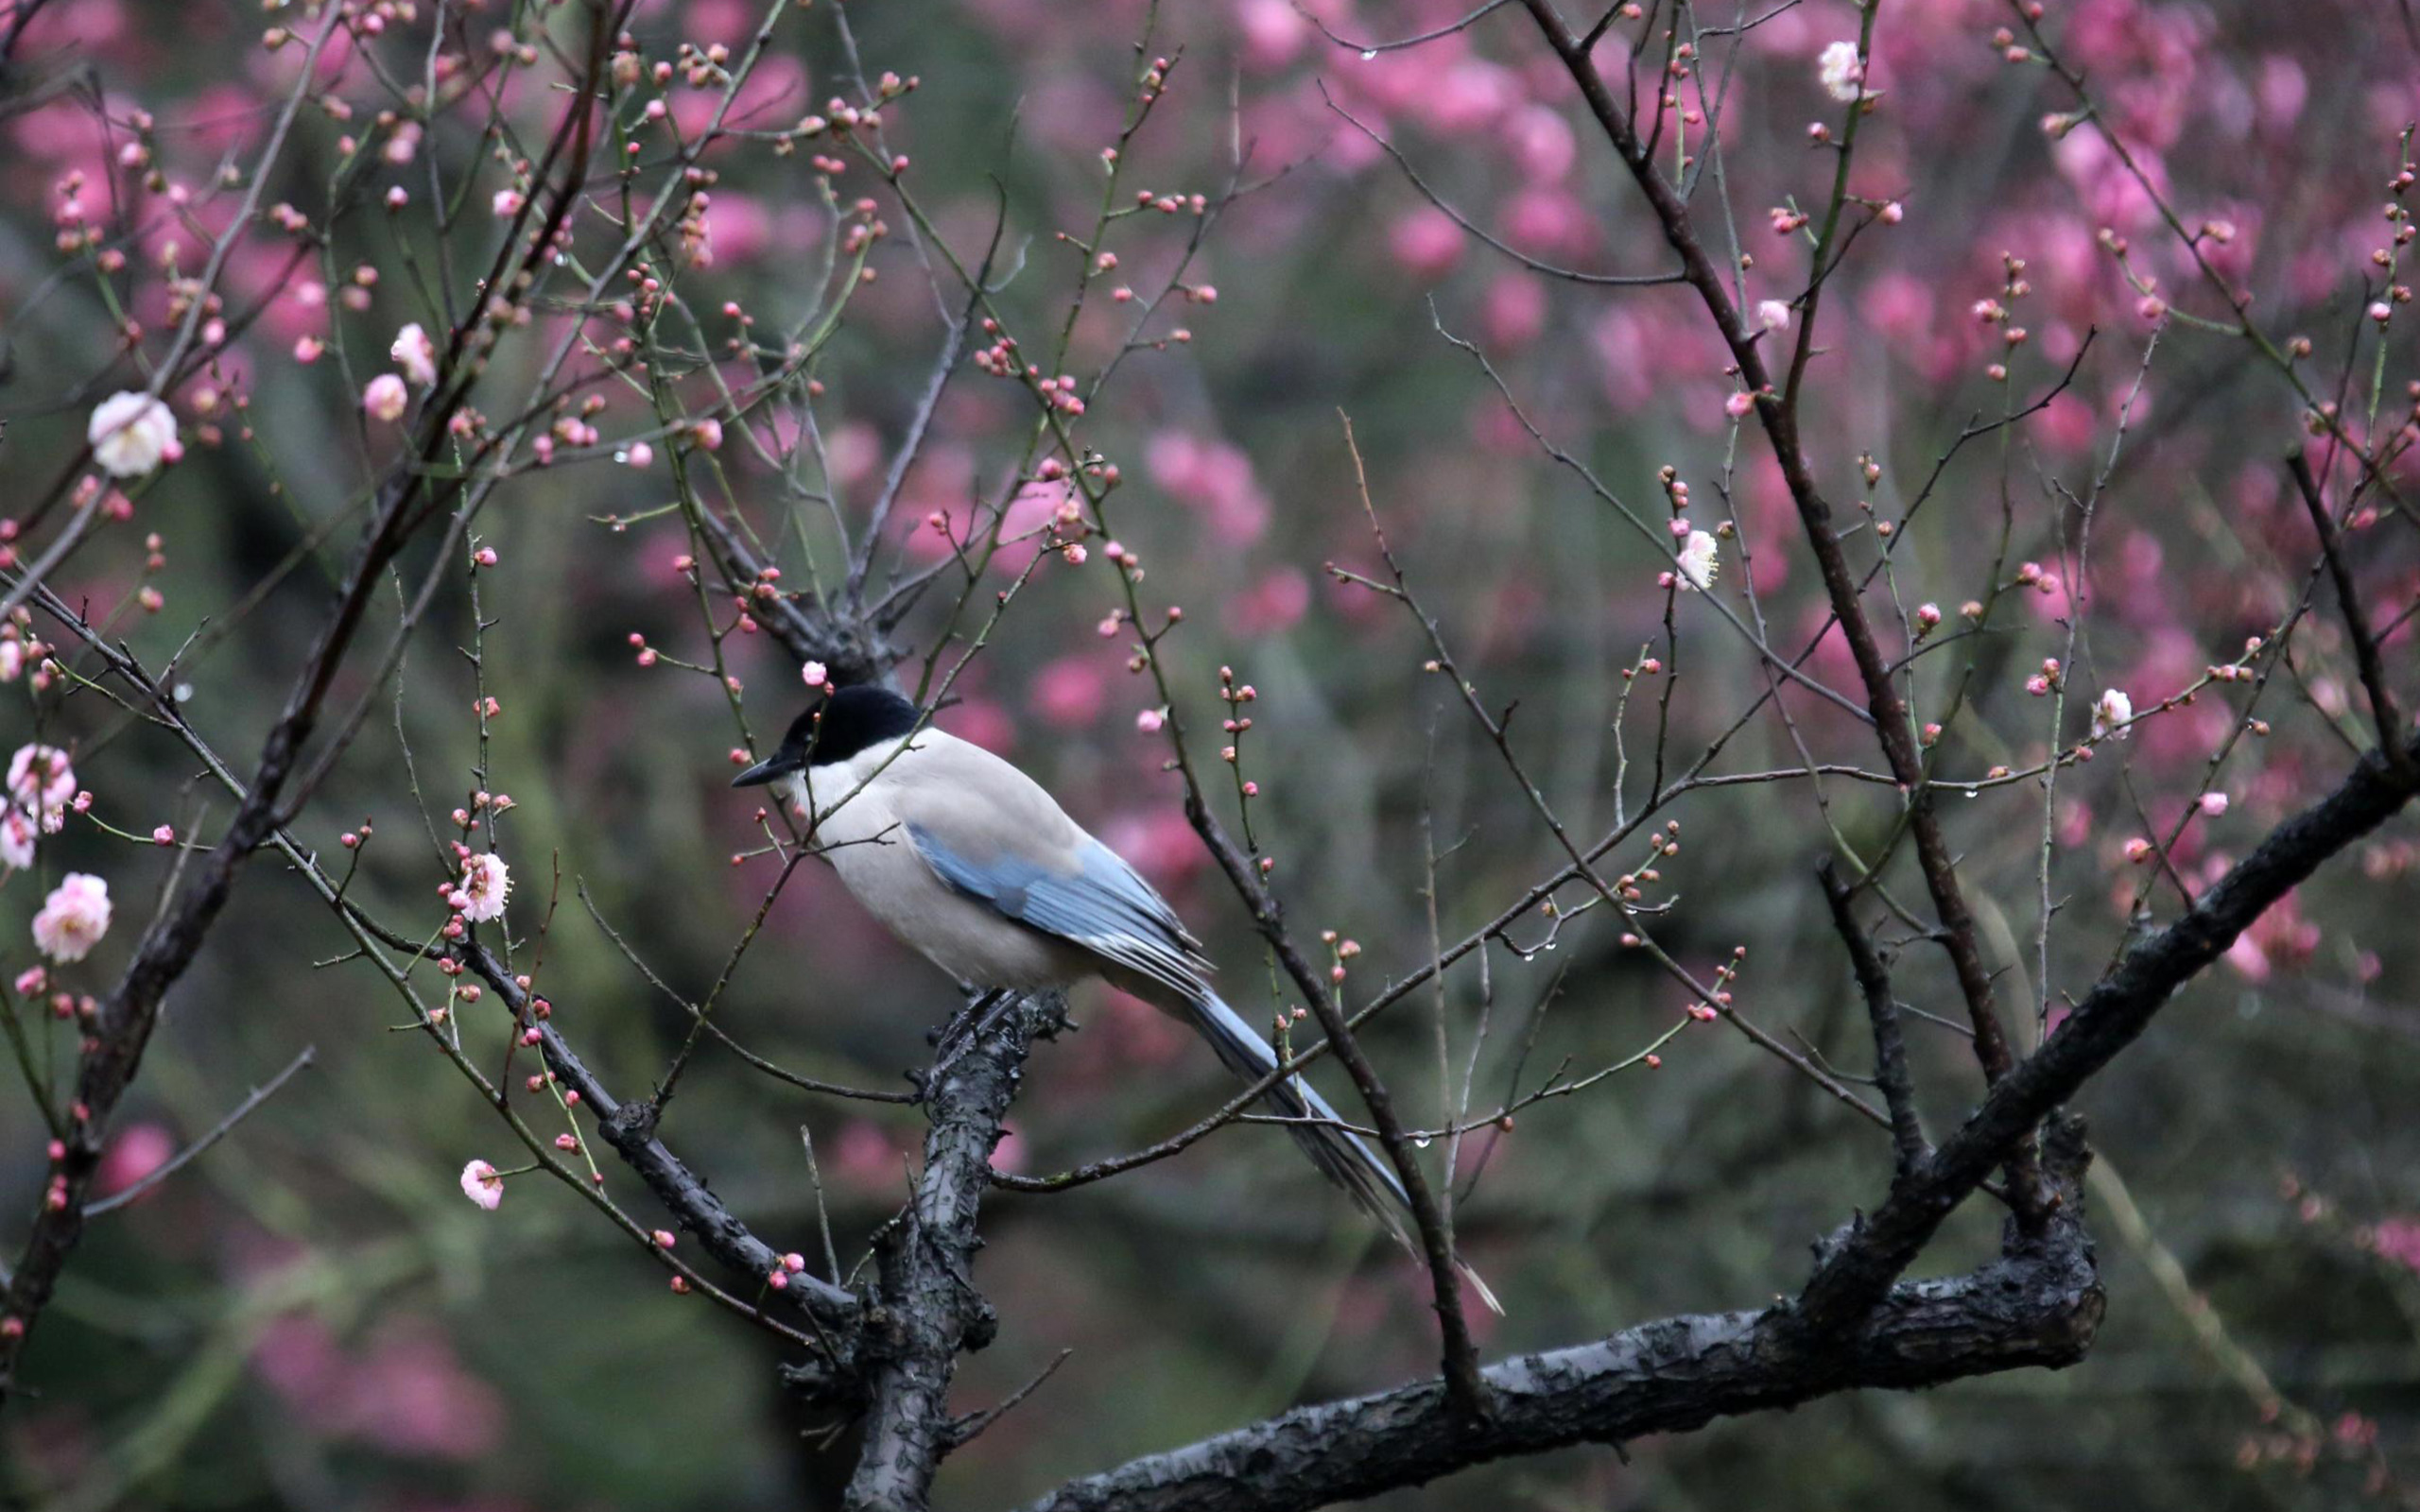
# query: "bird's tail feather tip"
{"points": [[1338, 1153], [1486, 1293]]}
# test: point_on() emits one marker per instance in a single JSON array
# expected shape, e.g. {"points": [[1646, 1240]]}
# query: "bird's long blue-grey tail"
{"points": [[1343, 1155]]}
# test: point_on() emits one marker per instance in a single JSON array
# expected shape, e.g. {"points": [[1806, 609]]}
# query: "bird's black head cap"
{"points": [[844, 723]]}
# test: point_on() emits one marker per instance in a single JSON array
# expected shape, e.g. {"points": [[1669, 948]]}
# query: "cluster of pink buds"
{"points": [[1723, 976], [1171, 204], [706, 68], [1155, 79], [1339, 953], [1676, 494], [1234, 696], [2046, 680], [1060, 394], [865, 230], [572, 430], [1660, 844], [1000, 359], [765, 590]]}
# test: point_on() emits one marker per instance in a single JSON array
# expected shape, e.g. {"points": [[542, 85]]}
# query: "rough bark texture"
{"points": [[2112, 1016], [2038, 1305], [926, 1310], [1855, 1326]]}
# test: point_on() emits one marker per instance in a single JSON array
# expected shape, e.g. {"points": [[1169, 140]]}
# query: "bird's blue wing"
{"points": [[1094, 900]]}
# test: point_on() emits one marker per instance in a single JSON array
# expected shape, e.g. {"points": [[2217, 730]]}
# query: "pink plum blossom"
{"points": [[482, 1184], [416, 354], [486, 880], [17, 835], [40, 777], [73, 918], [385, 398]]}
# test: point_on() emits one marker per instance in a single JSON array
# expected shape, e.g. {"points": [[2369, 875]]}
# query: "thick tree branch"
{"points": [[929, 1310], [2112, 1014], [628, 1129], [2038, 1305], [833, 640], [1855, 1325], [132, 1011]]}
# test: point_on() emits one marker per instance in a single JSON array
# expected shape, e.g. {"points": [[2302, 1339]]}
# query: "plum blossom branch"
{"points": [[2357, 624]]}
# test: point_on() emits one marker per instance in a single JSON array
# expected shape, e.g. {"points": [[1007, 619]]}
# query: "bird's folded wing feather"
{"points": [[1030, 863]]}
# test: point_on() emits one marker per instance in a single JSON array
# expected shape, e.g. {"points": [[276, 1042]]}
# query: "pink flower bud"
{"points": [[385, 398]]}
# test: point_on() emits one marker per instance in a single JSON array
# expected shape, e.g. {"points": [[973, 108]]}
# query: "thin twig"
{"points": [[2356, 625], [218, 1132]]}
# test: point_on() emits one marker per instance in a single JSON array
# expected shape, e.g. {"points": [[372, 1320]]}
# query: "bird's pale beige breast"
{"points": [[867, 843]]}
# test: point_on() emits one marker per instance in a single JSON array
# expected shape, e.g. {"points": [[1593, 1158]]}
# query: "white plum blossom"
{"points": [[486, 880], [417, 356], [73, 918], [1773, 314], [815, 674], [132, 433], [12, 659], [1840, 71], [2112, 713], [482, 1184], [1697, 565], [385, 398]]}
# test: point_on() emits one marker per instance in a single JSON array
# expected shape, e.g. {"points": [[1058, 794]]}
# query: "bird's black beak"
{"points": [[779, 764]]}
